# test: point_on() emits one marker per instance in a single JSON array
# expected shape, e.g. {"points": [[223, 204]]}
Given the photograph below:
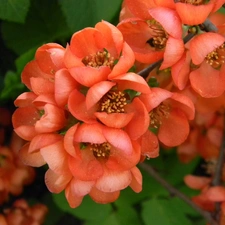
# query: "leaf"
{"points": [[162, 211], [12, 86], [45, 23], [88, 210], [176, 170], [80, 14], [14, 10]]}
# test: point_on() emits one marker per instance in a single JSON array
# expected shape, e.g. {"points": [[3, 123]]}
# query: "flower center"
{"points": [[113, 102], [157, 114], [159, 35], [193, 2], [101, 151], [101, 58], [216, 57]]}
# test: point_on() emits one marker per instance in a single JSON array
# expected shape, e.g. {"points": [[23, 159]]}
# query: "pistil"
{"points": [[101, 58]]}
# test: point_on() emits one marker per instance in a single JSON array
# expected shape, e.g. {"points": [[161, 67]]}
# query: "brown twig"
{"points": [[172, 190], [217, 178]]}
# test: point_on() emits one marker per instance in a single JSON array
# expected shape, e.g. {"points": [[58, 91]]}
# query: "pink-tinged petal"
{"points": [[180, 71], [119, 139], [49, 57], [88, 76], [69, 140], [104, 197], [120, 159], [55, 182], [126, 61], [173, 52], [64, 85], [43, 140], [77, 107], [136, 183], [41, 100], [140, 8], [40, 85], [185, 104], [90, 133], [191, 14], [80, 187], [149, 145], [86, 42], [112, 181], [138, 41], [113, 37], [56, 157], [25, 99], [23, 120], [207, 81], [195, 182], [156, 96], [115, 120], [32, 70], [217, 4], [52, 120], [167, 4], [174, 129], [71, 60], [216, 194], [203, 44], [73, 200], [132, 81], [140, 121], [169, 19], [33, 159], [96, 92], [86, 170]]}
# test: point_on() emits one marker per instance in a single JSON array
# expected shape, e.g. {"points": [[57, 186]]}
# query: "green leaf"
{"points": [[14, 10], [88, 210], [176, 170], [45, 23], [80, 14], [162, 211], [12, 86]]}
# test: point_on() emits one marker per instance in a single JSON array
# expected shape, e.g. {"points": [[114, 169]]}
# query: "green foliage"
{"points": [[89, 12], [44, 23], [14, 10], [158, 211]]}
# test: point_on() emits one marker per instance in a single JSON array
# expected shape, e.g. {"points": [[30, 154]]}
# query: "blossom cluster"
{"points": [[14, 176], [91, 117]]}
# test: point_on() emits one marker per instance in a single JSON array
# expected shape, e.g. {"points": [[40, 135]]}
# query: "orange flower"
{"points": [[139, 8], [108, 102], [158, 37], [207, 52], [97, 160], [36, 115], [169, 114], [38, 75], [96, 53], [13, 173], [196, 12], [23, 214]]}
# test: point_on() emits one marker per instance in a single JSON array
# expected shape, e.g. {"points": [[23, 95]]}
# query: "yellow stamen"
{"points": [[101, 151]]}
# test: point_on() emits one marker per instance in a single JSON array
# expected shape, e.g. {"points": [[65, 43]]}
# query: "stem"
{"points": [[208, 26], [172, 190], [219, 171]]}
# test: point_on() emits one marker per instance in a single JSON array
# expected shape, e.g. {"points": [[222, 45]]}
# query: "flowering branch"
{"points": [[173, 191], [207, 26]]}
